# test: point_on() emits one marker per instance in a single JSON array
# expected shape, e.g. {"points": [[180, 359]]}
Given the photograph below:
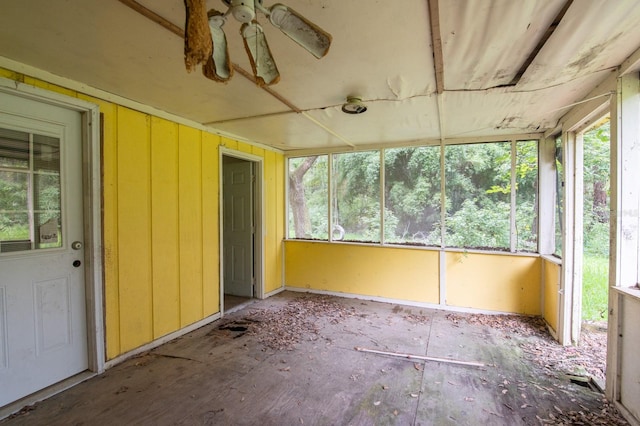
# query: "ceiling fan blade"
{"points": [[301, 30], [197, 41], [262, 63], [218, 66]]}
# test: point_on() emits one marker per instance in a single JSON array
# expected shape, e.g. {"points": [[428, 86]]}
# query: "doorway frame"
{"points": [[259, 217], [92, 215]]}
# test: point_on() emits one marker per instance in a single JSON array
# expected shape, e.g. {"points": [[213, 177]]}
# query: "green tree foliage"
{"points": [[356, 200], [478, 186], [14, 222], [412, 195], [596, 190]]}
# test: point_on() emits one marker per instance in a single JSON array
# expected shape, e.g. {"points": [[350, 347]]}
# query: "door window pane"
{"points": [[14, 149], [46, 153], [30, 199]]}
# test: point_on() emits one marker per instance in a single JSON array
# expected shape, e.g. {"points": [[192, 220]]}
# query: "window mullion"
{"points": [[382, 200], [512, 215], [31, 196], [443, 198], [331, 194]]}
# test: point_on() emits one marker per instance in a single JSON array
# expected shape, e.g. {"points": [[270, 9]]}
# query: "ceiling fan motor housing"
{"points": [[243, 10]]}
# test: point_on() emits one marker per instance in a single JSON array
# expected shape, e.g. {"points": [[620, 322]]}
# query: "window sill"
{"points": [[629, 291]]}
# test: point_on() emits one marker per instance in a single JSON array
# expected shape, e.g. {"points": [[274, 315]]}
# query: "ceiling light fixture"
{"points": [[353, 105]]}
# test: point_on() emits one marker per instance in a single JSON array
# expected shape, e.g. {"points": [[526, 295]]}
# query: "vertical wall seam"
{"points": [[149, 124], [116, 222], [178, 227]]}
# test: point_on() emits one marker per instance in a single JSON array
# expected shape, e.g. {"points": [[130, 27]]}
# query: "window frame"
{"points": [[513, 246]]}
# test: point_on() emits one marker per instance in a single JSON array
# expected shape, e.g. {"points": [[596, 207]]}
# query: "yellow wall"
{"points": [[394, 273], [494, 282], [160, 221], [551, 281]]}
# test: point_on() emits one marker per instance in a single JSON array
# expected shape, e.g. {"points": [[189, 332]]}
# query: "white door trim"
{"points": [[259, 214], [92, 217]]}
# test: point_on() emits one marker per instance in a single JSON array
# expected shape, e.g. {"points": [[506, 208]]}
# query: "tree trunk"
{"points": [[297, 200], [599, 206]]}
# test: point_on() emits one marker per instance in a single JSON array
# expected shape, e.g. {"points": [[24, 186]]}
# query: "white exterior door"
{"points": [[43, 333], [238, 227]]}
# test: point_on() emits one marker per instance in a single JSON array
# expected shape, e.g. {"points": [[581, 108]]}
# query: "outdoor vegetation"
{"points": [[29, 185], [478, 210], [596, 223]]}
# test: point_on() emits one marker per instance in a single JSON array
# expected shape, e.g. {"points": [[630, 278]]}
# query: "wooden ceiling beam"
{"points": [[548, 33], [165, 23], [436, 42]]}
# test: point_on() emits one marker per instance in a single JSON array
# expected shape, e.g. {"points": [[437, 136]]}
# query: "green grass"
{"points": [[595, 276]]}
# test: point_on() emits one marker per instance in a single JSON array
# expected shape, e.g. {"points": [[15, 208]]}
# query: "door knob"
{"points": [[76, 245]]}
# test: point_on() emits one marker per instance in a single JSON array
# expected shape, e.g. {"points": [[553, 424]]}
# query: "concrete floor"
{"points": [[249, 369]]}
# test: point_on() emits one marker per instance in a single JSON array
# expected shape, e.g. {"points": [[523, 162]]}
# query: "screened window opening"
{"points": [[490, 196], [308, 197], [355, 201], [412, 196], [477, 190]]}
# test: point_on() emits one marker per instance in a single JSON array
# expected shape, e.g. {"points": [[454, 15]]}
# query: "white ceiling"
{"points": [[382, 51]]}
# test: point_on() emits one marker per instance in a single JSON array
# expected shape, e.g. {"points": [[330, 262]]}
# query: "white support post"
{"points": [[578, 237], [624, 260], [513, 234], [382, 195], [566, 287], [546, 195]]}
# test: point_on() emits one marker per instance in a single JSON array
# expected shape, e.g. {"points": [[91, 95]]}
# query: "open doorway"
{"points": [[596, 208], [596, 233], [241, 250], [590, 241]]}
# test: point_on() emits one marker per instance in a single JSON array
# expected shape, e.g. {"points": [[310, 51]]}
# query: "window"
{"points": [[356, 196], [308, 197], [412, 196], [477, 189], [526, 178], [559, 196], [490, 190], [30, 214]]}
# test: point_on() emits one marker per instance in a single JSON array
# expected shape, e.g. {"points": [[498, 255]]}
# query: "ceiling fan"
{"points": [[206, 42]]}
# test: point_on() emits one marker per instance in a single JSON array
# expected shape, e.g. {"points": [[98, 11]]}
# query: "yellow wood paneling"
{"points": [[210, 225], [271, 265], [190, 187], [164, 226], [11, 75], [109, 120], [134, 229], [229, 143], [244, 147], [161, 224], [395, 273], [280, 212], [551, 280], [493, 282], [48, 86], [256, 150]]}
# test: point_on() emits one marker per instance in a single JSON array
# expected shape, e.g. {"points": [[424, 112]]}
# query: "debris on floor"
{"points": [[282, 328], [606, 416], [290, 359]]}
